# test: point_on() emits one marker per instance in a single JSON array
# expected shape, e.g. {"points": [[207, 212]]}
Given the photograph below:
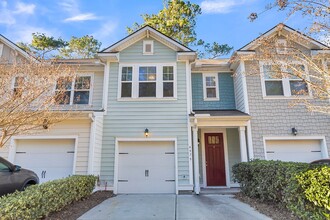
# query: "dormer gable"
{"points": [[280, 32], [148, 35]]}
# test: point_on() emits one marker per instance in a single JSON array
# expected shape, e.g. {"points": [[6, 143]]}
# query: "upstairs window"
{"points": [[126, 82], [282, 80], [70, 92], [168, 81], [211, 88], [148, 47], [273, 80], [147, 81]]}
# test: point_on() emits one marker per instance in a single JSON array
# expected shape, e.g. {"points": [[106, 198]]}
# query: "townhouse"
{"points": [[155, 119]]}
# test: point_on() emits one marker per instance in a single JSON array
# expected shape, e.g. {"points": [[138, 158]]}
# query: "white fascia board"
{"points": [[109, 56], [183, 56], [16, 48], [147, 29], [318, 52]]}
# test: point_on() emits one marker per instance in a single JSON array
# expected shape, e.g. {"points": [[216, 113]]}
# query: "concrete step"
{"points": [[221, 191]]}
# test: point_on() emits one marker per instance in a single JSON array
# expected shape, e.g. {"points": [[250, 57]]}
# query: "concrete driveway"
{"points": [[170, 207]]}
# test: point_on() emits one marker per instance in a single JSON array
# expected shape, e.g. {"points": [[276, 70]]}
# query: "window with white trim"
{"points": [[282, 80], [147, 81], [126, 81], [77, 92], [168, 81], [211, 87], [148, 47]]}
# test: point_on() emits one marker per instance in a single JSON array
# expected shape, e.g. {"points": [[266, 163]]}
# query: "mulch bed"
{"points": [[77, 209], [272, 210]]}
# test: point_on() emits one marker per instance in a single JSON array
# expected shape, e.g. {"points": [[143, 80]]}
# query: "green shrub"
{"points": [[302, 188], [39, 200], [266, 180], [308, 194]]}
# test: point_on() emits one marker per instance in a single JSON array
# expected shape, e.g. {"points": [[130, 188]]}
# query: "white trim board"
{"points": [[116, 168]]}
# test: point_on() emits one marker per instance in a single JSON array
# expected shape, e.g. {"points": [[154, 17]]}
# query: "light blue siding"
{"points": [[226, 93], [128, 119], [134, 53]]}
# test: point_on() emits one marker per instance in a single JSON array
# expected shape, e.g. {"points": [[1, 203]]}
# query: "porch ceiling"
{"points": [[224, 118]]}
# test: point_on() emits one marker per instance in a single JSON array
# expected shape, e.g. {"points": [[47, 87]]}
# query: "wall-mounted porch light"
{"points": [[294, 131], [146, 132]]}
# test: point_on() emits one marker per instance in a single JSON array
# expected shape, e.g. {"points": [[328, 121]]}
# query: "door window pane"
{"points": [[274, 88]]}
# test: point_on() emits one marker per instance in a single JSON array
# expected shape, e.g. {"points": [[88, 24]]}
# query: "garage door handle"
{"points": [[315, 151], [169, 180], [146, 173], [270, 152], [45, 174], [70, 152]]}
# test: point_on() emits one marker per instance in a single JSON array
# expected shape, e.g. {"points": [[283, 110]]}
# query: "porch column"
{"points": [[196, 158], [242, 144]]}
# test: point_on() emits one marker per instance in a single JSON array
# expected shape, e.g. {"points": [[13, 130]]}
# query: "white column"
{"points": [[196, 162], [91, 145], [242, 143]]}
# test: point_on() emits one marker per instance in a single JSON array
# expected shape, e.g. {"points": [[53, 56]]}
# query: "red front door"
{"points": [[215, 159]]}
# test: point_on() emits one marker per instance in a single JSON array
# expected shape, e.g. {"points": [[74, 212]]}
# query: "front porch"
{"points": [[219, 140]]}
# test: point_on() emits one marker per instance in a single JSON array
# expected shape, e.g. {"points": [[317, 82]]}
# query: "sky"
{"points": [[223, 21]]}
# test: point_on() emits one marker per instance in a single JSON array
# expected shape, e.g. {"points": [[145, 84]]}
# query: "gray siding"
{"points": [[128, 119], [275, 117]]}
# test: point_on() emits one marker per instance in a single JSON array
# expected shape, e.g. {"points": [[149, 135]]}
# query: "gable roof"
{"points": [[273, 31], [146, 31], [14, 46]]}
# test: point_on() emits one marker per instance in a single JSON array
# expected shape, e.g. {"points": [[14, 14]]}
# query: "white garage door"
{"points": [[146, 167], [294, 150], [49, 159]]}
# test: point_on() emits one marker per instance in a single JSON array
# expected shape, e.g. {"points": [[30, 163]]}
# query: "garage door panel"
{"points": [[293, 150], [146, 167], [49, 159]]}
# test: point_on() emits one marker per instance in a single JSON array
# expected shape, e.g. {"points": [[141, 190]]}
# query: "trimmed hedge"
{"points": [[302, 188], [39, 200]]}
